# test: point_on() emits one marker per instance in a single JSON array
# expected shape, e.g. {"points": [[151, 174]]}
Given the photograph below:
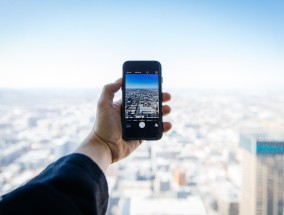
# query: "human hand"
{"points": [[107, 132]]}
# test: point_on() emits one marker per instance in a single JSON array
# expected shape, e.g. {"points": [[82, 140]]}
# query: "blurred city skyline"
{"points": [[200, 44], [196, 168]]}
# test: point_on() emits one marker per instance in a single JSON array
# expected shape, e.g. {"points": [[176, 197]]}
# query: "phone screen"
{"points": [[142, 102]]}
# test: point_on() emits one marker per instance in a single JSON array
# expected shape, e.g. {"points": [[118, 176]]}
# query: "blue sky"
{"points": [[200, 44], [141, 81]]}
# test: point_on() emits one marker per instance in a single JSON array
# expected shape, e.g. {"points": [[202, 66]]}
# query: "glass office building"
{"points": [[262, 174]]}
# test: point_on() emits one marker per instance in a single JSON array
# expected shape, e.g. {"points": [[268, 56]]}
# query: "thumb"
{"points": [[108, 92]]}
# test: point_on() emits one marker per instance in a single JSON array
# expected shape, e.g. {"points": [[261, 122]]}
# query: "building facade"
{"points": [[262, 174]]}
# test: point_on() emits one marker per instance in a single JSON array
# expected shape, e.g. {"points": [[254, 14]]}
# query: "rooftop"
{"points": [[168, 206], [263, 143]]}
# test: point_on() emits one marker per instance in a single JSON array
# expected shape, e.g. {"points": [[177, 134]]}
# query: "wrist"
{"points": [[97, 150]]}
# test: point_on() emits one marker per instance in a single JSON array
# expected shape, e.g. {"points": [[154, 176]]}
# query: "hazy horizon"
{"points": [[213, 45]]}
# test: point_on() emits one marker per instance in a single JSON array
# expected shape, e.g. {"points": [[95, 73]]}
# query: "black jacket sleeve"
{"points": [[73, 184]]}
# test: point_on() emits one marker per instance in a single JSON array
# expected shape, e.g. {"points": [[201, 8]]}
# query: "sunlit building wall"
{"points": [[262, 173]]}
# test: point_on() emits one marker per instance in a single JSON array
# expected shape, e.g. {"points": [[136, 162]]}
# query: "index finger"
{"points": [[166, 97]]}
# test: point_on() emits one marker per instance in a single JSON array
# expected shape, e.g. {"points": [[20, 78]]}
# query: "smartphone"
{"points": [[141, 112]]}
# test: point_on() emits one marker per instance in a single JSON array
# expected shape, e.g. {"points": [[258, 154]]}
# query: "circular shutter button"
{"points": [[142, 124]]}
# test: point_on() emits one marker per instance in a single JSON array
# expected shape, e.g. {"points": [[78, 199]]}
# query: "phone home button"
{"points": [[142, 124]]}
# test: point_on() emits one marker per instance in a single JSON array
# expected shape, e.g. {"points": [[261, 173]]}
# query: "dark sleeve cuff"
{"points": [[74, 184]]}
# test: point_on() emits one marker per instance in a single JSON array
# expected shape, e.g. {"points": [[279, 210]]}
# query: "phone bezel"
{"points": [[142, 65]]}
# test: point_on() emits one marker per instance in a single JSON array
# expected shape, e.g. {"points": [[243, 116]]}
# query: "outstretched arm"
{"points": [[76, 184]]}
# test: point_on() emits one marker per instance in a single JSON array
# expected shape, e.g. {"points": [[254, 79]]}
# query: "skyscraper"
{"points": [[262, 174]]}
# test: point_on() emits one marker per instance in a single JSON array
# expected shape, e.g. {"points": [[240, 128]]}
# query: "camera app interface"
{"points": [[142, 99]]}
